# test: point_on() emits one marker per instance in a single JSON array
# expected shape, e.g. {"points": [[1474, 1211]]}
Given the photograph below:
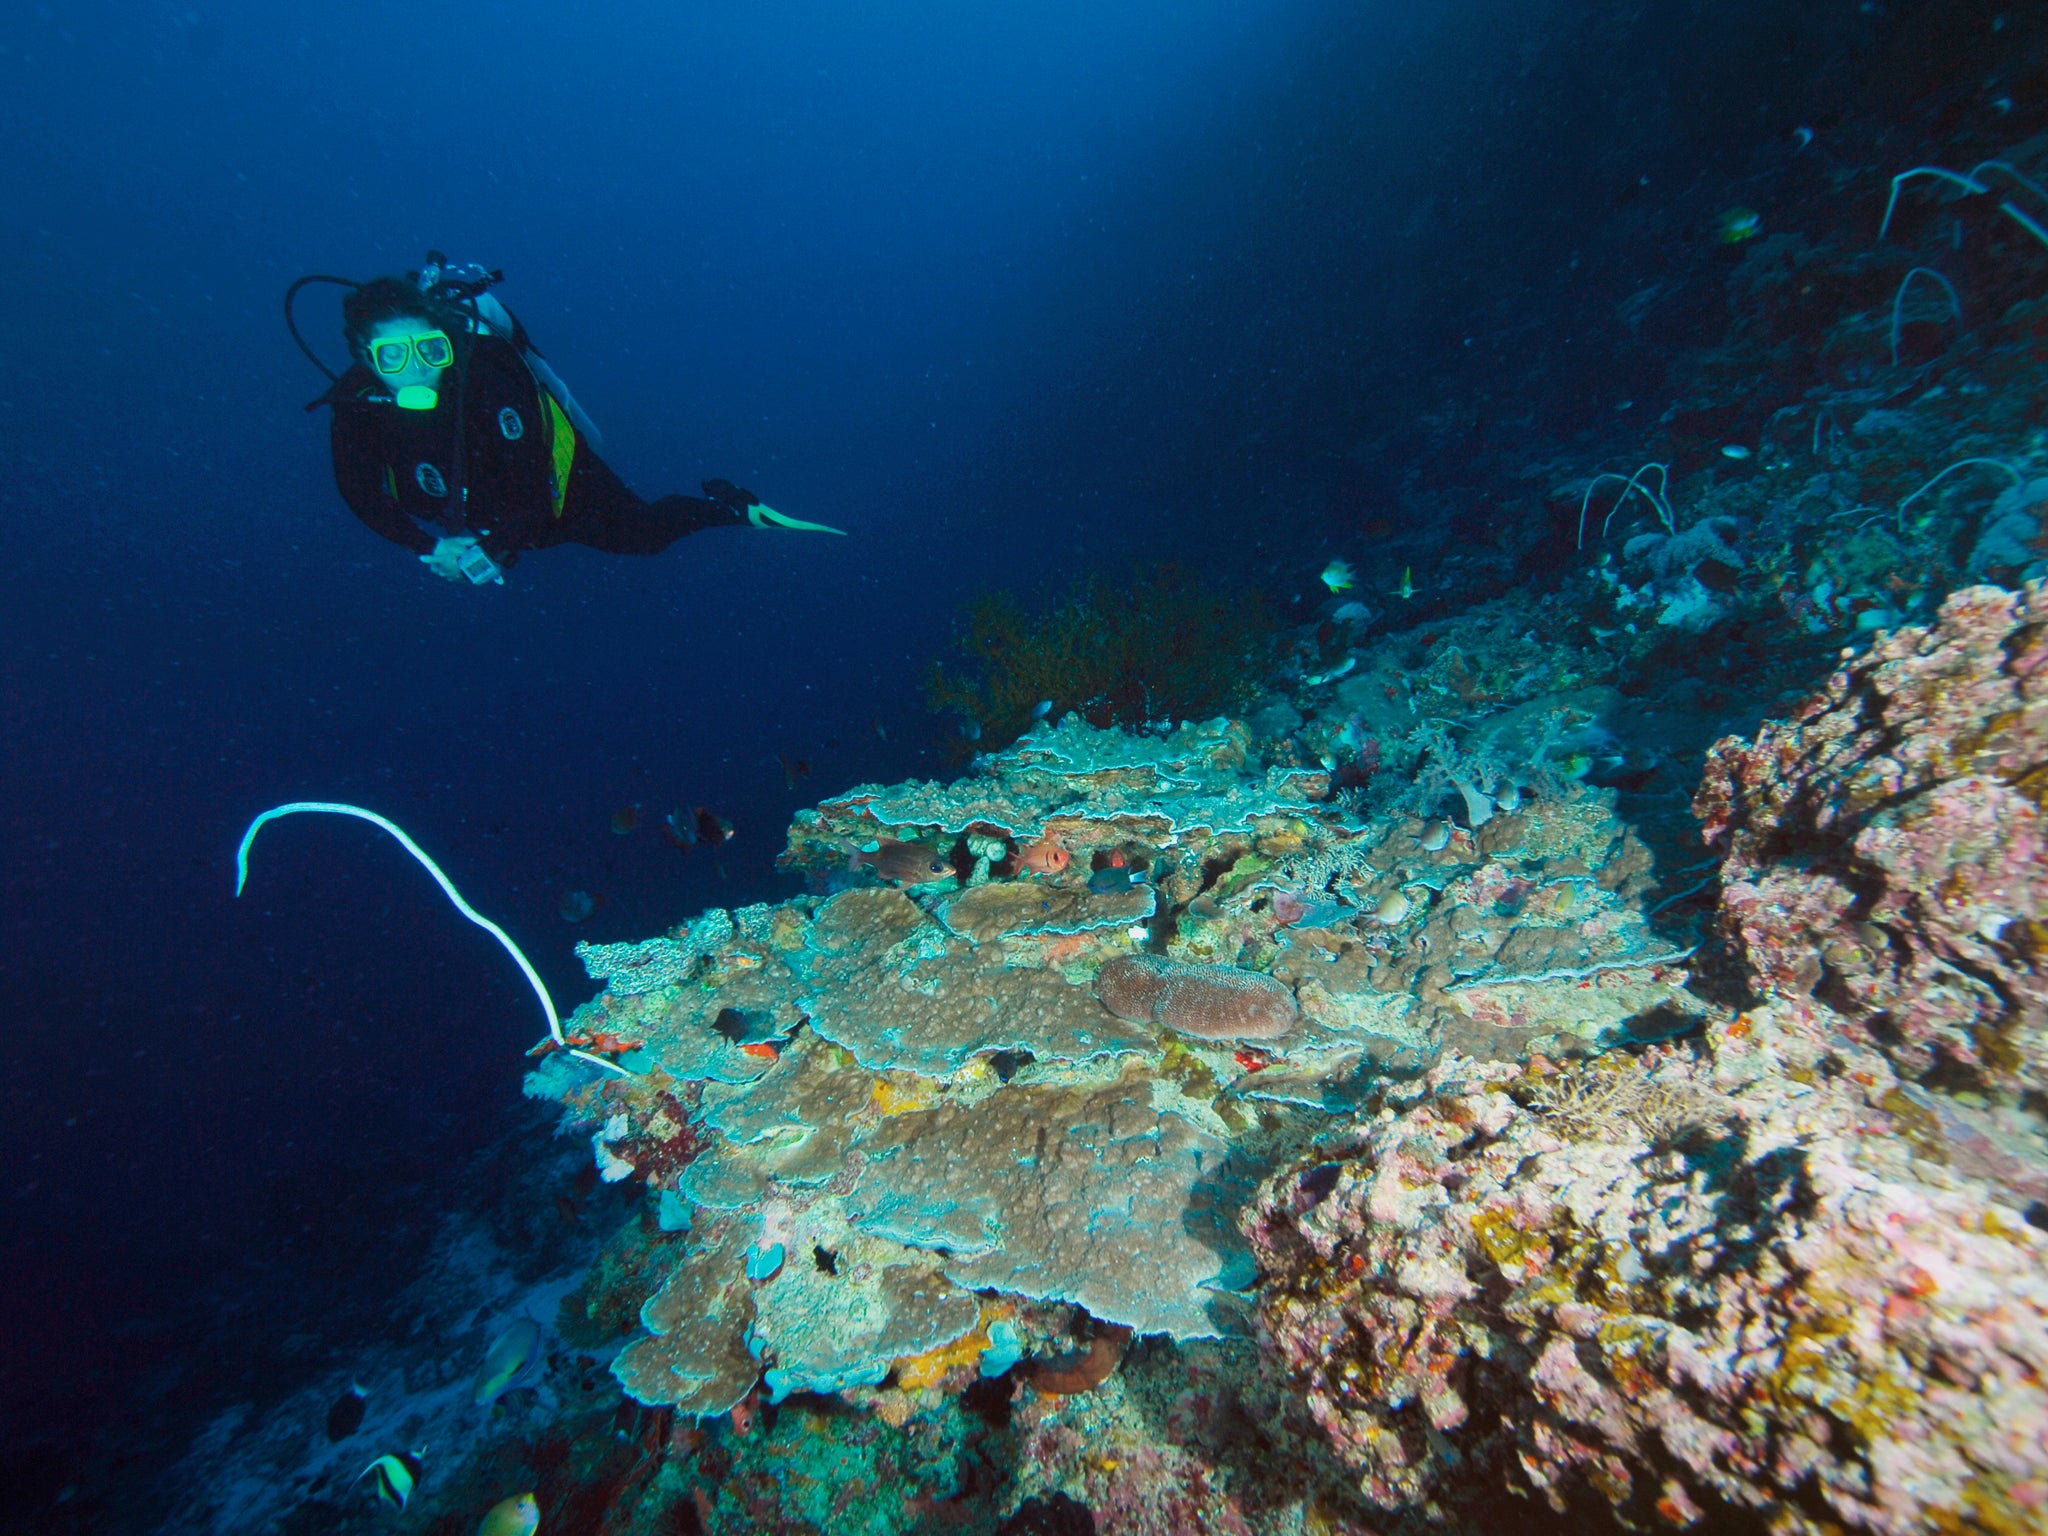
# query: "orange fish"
{"points": [[762, 1049], [1044, 857], [743, 1412]]}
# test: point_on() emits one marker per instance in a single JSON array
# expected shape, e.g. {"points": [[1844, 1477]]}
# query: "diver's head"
{"points": [[400, 335]]}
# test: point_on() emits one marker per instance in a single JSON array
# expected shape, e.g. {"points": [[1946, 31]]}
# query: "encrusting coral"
{"points": [[1886, 849], [1763, 1270]]}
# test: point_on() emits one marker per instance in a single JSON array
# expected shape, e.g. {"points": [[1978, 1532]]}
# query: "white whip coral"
{"points": [[333, 808]]}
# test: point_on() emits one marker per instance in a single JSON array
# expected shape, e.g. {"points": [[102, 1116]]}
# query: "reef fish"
{"points": [[685, 829], [393, 1477], [749, 1026], [509, 1355], [346, 1416], [793, 769], [516, 1516], [905, 863], [625, 819], [575, 906], [743, 1413], [1044, 857], [1338, 576], [1738, 225], [1114, 878]]}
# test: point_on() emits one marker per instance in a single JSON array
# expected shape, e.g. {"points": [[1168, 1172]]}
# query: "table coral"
{"points": [[887, 1090], [1085, 788], [895, 988], [1077, 1194], [693, 1354]]}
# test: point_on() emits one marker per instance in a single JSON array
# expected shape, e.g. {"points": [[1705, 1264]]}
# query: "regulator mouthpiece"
{"points": [[416, 397]]}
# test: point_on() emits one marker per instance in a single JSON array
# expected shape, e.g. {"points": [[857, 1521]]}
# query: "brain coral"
{"points": [[1211, 1002]]}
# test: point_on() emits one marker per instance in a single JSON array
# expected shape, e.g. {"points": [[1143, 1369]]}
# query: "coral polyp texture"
{"points": [[1211, 1002], [1409, 1102], [1050, 1085], [1792, 1268], [1885, 847]]}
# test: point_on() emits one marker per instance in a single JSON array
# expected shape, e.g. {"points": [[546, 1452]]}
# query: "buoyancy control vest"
{"points": [[461, 301], [463, 294]]}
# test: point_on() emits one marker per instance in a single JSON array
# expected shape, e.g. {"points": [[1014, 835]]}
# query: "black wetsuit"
{"points": [[483, 462]]}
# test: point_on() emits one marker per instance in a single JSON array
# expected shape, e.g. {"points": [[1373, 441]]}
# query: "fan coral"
{"points": [[1165, 646], [1211, 1002]]}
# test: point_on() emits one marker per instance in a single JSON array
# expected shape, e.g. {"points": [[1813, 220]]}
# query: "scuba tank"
{"points": [[464, 291]]}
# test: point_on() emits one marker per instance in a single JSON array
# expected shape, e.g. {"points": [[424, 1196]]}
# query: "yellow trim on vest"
{"points": [[563, 437]]}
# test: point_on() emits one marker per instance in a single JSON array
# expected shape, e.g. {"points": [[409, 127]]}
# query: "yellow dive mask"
{"points": [[392, 355]]}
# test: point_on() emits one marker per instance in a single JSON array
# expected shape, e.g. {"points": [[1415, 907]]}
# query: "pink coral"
{"points": [[1784, 1311], [1886, 850], [1766, 1271]]}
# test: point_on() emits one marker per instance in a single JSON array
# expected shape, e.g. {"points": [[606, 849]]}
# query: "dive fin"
{"points": [[767, 517]]}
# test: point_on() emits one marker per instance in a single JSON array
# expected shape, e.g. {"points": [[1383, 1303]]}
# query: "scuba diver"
{"points": [[454, 437]]}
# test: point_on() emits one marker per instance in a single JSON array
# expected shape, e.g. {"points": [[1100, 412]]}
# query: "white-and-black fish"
{"points": [[393, 1476]]}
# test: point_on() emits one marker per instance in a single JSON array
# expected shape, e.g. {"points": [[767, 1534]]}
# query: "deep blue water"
{"points": [[1010, 292]]}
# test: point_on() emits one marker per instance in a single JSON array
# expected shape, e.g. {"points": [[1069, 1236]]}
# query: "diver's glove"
{"points": [[462, 559], [746, 506]]}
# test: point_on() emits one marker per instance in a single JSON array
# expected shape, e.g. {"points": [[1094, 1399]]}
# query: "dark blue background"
{"points": [[1010, 291]]}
